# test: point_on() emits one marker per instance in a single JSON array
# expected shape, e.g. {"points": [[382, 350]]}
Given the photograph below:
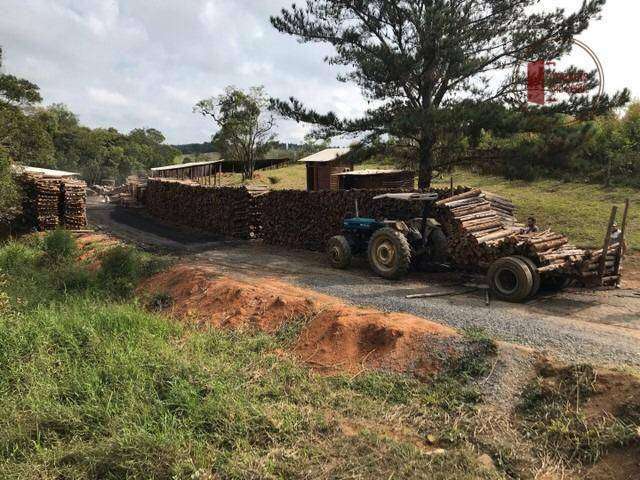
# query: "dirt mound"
{"points": [[334, 336], [91, 245]]}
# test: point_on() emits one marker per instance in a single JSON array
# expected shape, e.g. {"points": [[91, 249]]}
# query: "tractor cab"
{"points": [[391, 245]]}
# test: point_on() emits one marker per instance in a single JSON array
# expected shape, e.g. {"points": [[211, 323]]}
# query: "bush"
{"points": [[59, 246], [122, 267], [119, 270], [16, 258], [72, 278]]}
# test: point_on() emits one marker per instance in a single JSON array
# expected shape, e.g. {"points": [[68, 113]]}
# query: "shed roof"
{"points": [[370, 172], [44, 171], [180, 166], [327, 155]]}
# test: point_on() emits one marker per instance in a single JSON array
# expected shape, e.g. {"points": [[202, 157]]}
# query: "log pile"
{"points": [[41, 201], [301, 219], [50, 202], [74, 204], [222, 210], [482, 227]]}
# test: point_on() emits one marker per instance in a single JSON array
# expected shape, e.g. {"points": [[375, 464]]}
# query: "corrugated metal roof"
{"points": [[327, 155], [180, 166], [44, 171], [364, 173]]}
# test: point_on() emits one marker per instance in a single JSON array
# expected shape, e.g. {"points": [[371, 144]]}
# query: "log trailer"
{"points": [[477, 231]]}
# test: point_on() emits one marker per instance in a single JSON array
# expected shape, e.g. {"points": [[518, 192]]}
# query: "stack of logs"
{"points": [[225, 211], [482, 227], [49, 202], [74, 204], [41, 201], [307, 220]]}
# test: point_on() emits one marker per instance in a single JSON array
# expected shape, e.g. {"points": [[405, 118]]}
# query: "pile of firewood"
{"points": [[41, 201], [307, 220], [74, 204], [224, 210], [50, 202], [482, 227]]}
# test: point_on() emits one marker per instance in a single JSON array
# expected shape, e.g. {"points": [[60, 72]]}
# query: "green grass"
{"points": [[293, 177], [95, 387], [554, 419]]}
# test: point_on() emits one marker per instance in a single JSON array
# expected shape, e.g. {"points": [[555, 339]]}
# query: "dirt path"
{"points": [[576, 326]]}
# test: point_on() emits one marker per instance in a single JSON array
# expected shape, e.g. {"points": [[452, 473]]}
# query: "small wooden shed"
{"points": [[322, 167], [202, 172], [375, 179]]}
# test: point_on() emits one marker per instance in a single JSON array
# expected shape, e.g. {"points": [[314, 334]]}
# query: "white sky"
{"points": [[134, 63]]}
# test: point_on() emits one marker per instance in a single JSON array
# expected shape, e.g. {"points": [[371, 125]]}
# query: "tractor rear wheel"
{"points": [[389, 253], [534, 274], [339, 252], [510, 279]]}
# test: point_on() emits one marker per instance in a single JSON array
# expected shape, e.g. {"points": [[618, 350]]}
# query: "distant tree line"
{"points": [[52, 137]]}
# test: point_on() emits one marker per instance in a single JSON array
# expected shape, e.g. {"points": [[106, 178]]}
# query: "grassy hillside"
{"points": [[93, 385]]}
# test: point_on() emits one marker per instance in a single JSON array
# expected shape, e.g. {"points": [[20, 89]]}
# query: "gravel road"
{"points": [[600, 327]]}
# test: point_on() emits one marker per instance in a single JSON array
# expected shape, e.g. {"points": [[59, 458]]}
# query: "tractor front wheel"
{"points": [[339, 252], [389, 253]]}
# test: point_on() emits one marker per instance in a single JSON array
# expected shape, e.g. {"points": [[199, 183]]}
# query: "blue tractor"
{"points": [[391, 246]]}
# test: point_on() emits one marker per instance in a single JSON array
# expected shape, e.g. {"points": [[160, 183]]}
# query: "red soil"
{"points": [[335, 336]]}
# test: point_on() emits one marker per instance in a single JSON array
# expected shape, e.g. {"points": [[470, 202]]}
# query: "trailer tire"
{"points": [[534, 273], [389, 253], [510, 279], [339, 252]]}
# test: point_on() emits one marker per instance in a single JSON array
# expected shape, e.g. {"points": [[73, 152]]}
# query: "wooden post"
{"points": [[607, 242], [452, 186], [620, 253]]}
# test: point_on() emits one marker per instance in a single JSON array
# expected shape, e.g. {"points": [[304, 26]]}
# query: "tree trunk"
{"points": [[425, 168]]}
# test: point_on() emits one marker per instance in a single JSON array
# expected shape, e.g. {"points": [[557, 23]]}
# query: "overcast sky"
{"points": [[133, 63]]}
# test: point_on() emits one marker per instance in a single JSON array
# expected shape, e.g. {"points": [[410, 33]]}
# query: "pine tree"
{"points": [[431, 64]]}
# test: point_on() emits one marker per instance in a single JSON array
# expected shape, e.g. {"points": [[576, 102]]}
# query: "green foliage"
{"points": [[122, 267], [9, 197], [121, 399], [553, 417], [245, 125], [60, 245], [90, 388]]}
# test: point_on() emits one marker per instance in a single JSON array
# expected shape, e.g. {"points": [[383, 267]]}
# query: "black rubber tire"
{"points": [[537, 281], [389, 253], [339, 252], [439, 246], [510, 279]]}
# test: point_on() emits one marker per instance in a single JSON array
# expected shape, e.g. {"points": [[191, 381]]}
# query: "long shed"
{"points": [[322, 167], [203, 172]]}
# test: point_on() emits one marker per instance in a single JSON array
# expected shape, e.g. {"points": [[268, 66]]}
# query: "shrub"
{"points": [[59, 245], [122, 267], [119, 270], [72, 278], [16, 258]]}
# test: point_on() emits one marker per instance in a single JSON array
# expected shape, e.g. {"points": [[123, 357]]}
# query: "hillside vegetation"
{"points": [[93, 385]]}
